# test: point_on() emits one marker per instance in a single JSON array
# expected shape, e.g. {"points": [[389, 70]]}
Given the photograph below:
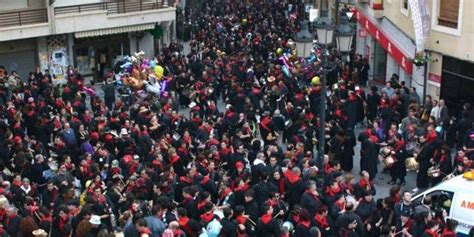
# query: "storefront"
{"points": [[95, 56], [19, 55], [457, 84], [388, 50]]}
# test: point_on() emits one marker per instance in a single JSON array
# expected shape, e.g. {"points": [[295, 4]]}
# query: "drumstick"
{"points": [[253, 223]]}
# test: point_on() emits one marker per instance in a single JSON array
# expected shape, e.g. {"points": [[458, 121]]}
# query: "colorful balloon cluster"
{"points": [[139, 72]]}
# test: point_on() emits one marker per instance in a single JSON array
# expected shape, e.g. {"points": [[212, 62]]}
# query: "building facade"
{"points": [[385, 34], [90, 35]]}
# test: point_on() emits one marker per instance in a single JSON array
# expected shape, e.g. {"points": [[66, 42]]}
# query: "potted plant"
{"points": [[420, 59]]}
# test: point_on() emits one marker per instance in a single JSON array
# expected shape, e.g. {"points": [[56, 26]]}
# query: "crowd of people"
{"points": [[77, 164]]}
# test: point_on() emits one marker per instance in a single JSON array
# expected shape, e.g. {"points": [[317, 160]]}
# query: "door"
{"points": [[22, 62], [380, 62]]}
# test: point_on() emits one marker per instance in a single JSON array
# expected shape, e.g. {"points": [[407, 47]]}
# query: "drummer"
{"points": [[399, 155]]}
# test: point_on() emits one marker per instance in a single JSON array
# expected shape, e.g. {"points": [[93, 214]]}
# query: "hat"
{"points": [[136, 157], [39, 232], [123, 131], [95, 220], [271, 79]]}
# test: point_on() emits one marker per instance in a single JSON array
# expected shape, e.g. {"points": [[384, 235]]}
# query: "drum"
{"points": [[385, 151], [388, 162], [434, 172], [411, 164]]}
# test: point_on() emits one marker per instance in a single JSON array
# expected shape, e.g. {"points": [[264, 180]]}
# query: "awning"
{"points": [[117, 30], [393, 40]]}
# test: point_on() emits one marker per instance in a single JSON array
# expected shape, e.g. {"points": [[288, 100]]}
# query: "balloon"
{"points": [[284, 60], [126, 65], [286, 71], [153, 88], [159, 71], [279, 51], [152, 63], [90, 91], [316, 81], [135, 73], [164, 86]]}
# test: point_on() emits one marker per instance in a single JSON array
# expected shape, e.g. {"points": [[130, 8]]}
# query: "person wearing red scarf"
{"points": [[266, 225], [323, 222], [302, 229], [364, 184], [190, 226], [12, 222], [310, 198], [432, 228], [294, 185], [332, 191], [398, 170], [450, 229], [208, 214], [338, 207]]}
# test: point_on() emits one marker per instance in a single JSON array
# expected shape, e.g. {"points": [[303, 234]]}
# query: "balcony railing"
{"points": [[25, 17], [116, 7]]}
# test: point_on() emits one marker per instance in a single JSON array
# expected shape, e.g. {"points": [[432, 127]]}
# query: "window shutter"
{"points": [[449, 10]]}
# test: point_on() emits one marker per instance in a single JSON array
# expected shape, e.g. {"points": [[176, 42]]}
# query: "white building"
{"points": [[87, 34]]}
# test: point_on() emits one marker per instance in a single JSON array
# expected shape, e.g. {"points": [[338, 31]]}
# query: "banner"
{"points": [[421, 23], [386, 42]]}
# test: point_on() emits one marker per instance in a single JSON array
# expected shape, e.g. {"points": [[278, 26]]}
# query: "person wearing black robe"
{"points": [[304, 225], [266, 225], [373, 100], [229, 226], [424, 155], [398, 170], [348, 151], [310, 198], [190, 226], [370, 152], [366, 206]]}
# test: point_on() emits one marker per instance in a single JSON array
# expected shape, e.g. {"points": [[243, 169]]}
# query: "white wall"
{"points": [[13, 4], [60, 3]]}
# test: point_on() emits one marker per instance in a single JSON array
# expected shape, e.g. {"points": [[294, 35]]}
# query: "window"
{"points": [[439, 199], [448, 13], [447, 16], [404, 7]]}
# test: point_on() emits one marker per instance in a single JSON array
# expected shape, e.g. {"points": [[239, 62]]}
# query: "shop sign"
{"points": [[384, 41], [434, 78], [362, 33]]}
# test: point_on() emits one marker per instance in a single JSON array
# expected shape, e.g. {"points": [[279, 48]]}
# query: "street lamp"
{"points": [[344, 34], [304, 40], [325, 31]]}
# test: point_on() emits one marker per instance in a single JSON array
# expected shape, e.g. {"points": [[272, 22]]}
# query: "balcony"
{"points": [[113, 14], [116, 7], [21, 24], [23, 17]]}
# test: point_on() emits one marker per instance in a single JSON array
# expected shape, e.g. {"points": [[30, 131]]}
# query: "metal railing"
{"points": [[24, 17], [115, 7]]}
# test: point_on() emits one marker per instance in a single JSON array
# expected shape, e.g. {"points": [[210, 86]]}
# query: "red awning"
{"points": [[388, 44]]}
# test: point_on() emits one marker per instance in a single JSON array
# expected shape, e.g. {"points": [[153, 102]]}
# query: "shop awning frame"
{"points": [[386, 35], [116, 30]]}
